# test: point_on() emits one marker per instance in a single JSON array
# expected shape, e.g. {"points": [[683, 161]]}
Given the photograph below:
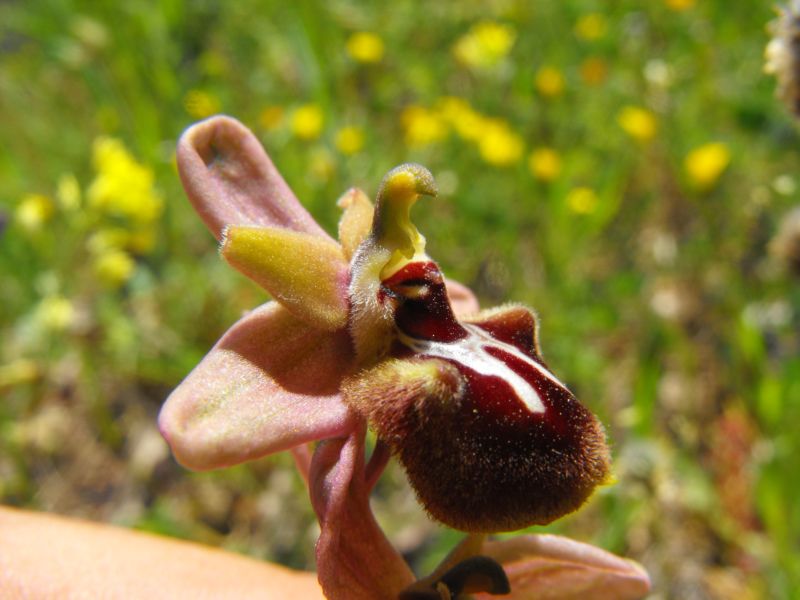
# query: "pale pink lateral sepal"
{"points": [[461, 298], [230, 180], [269, 384], [355, 561], [550, 567]]}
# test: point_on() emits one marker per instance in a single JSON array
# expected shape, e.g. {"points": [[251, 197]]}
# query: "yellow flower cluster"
{"points": [[55, 313], [458, 114], [349, 140], [123, 191], [705, 164], [637, 122], [497, 143], [422, 126], [545, 164], [306, 121], [33, 211], [123, 187], [114, 266], [500, 145], [484, 45], [365, 47], [118, 218], [120, 213]]}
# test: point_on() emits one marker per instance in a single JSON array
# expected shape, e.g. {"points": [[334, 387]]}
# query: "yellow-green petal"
{"points": [[306, 273], [356, 221]]}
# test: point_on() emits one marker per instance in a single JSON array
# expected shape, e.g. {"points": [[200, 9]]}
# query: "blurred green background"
{"points": [[622, 166]]}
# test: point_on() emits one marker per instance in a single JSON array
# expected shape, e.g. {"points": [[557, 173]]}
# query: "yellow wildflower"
{"points": [[200, 104], [467, 122], [549, 82], [499, 145], [484, 45], [307, 121], [68, 192], [422, 126], [582, 200], [349, 140], [591, 27], [705, 164], [271, 117], [545, 164], [637, 122], [365, 47], [594, 71], [114, 267], [679, 5], [33, 211], [55, 313], [123, 186]]}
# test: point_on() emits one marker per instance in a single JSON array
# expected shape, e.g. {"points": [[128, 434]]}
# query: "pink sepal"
{"points": [[230, 180], [550, 567], [355, 561], [462, 299], [269, 384]]}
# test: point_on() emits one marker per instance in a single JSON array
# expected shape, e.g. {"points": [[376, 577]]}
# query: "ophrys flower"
{"points": [[491, 439], [367, 329]]}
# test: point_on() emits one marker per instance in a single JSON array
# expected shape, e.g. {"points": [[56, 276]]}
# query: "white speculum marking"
{"points": [[471, 352]]}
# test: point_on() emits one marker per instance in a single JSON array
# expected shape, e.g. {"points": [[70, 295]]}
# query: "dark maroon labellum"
{"points": [[512, 446]]}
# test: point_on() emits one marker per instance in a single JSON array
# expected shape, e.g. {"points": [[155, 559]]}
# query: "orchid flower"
{"points": [[366, 331]]}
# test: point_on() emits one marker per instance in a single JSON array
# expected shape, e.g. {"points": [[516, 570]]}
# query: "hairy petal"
{"points": [[45, 556], [550, 567], [306, 273], [356, 220], [269, 384], [230, 180], [355, 561], [399, 396]]}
